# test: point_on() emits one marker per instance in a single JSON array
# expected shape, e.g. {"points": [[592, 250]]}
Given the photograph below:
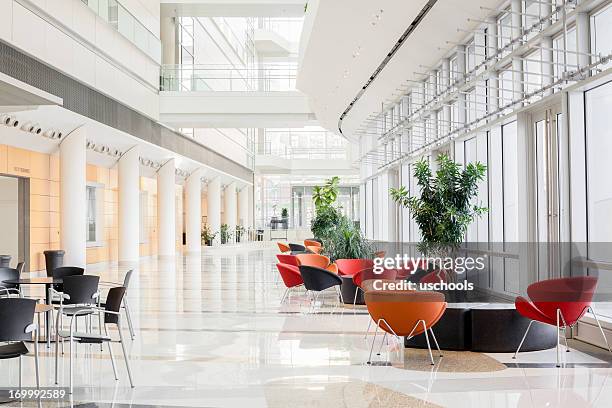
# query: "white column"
{"points": [[129, 206], [73, 200], [243, 207], [213, 197], [166, 211], [193, 211], [493, 77], [446, 111], [230, 210]]}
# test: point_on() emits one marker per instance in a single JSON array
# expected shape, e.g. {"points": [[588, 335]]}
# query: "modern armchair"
{"points": [[8, 289], [352, 266], [124, 303], [318, 280], [112, 315], [283, 247], [319, 261], [559, 302], [291, 277], [369, 274], [405, 313], [287, 259]]}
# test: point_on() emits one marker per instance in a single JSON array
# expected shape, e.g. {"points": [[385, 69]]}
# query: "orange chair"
{"points": [[332, 267], [352, 266], [310, 242], [318, 261], [369, 274], [283, 247], [314, 249], [405, 313]]}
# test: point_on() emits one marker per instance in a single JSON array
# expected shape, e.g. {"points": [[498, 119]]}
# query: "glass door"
{"points": [[547, 125]]}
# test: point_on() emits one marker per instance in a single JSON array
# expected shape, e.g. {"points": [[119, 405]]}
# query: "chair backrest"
{"points": [[127, 278], [20, 267], [297, 248], [402, 309], [65, 271], [15, 315], [290, 274], [318, 279], [320, 261], [81, 289], [437, 276], [113, 304], [570, 295], [352, 266], [283, 247], [368, 274], [311, 242], [287, 259], [6, 274]]}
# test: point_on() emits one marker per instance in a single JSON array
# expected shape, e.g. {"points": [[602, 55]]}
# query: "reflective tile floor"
{"points": [[211, 332]]}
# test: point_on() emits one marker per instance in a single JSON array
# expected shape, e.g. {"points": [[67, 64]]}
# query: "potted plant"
{"points": [[445, 207], [327, 215], [207, 235], [226, 234], [239, 232]]}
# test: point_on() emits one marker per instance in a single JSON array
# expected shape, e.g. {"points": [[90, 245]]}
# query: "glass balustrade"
{"points": [[222, 77], [114, 13]]}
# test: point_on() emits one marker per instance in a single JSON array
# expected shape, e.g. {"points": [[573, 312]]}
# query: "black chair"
{"points": [[78, 292], [297, 249], [20, 267], [126, 284], [16, 326], [7, 289], [112, 315], [65, 271], [318, 280]]}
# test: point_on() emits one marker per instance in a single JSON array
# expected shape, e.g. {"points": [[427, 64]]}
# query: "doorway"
{"points": [[15, 219]]}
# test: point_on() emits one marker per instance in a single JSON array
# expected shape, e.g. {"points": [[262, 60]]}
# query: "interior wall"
{"points": [[9, 217]]}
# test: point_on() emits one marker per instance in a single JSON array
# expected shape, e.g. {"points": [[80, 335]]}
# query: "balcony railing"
{"points": [[188, 78], [288, 152], [113, 12]]}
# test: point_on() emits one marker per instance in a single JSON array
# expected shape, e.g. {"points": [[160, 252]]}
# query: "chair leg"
{"points": [[381, 344], [340, 294], [600, 329], [558, 338], [427, 340], [36, 359], [125, 356], [567, 349], [373, 341], [355, 298], [71, 360], [368, 330], [20, 372], [435, 341], [522, 340], [57, 345], [128, 316], [112, 356], [284, 295]]}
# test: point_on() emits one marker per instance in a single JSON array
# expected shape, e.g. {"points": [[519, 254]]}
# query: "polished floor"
{"points": [[211, 332]]}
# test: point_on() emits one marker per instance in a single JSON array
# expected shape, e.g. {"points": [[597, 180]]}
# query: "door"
{"points": [[547, 125]]}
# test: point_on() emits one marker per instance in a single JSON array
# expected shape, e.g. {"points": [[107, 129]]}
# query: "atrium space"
{"points": [[292, 203]]}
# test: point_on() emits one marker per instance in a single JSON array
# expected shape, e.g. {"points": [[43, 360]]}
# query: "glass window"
{"points": [[599, 189], [504, 31], [126, 23], [601, 32], [561, 58], [92, 214], [533, 71]]}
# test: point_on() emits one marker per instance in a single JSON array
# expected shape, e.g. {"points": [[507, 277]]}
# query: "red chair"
{"points": [[410, 268], [291, 276], [287, 259], [369, 274], [558, 302], [438, 276], [352, 266]]}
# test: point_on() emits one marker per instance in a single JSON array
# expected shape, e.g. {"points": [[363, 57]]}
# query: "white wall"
{"points": [[71, 38], [9, 217], [231, 143]]}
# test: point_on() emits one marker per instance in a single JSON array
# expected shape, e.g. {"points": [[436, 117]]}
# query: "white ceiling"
{"points": [[346, 40]]}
